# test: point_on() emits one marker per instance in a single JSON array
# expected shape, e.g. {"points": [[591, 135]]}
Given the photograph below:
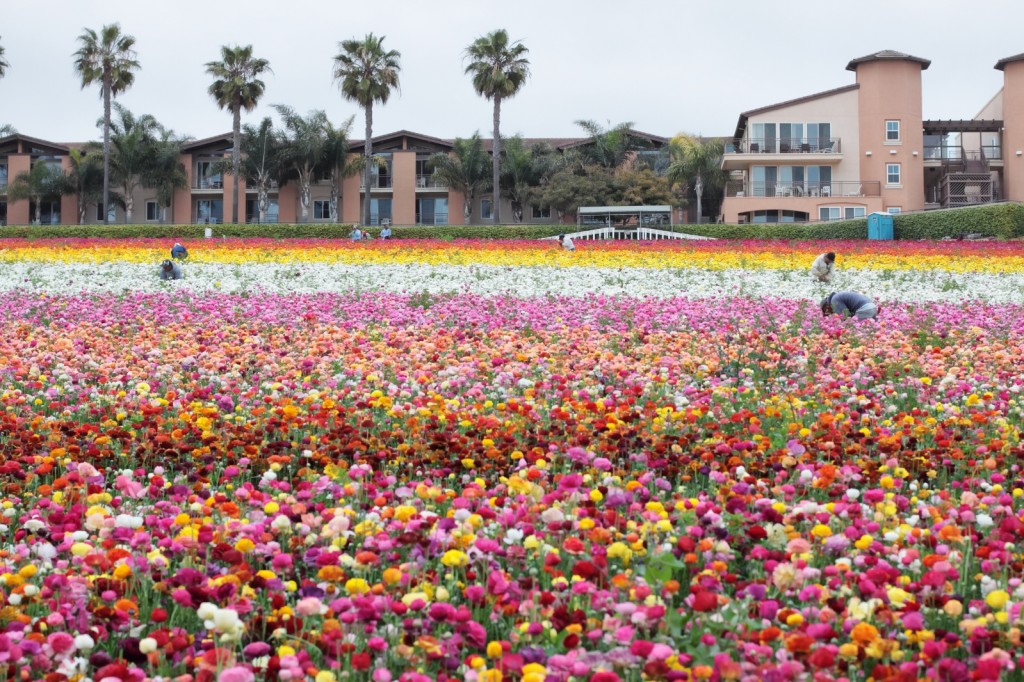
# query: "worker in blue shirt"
{"points": [[849, 304], [179, 252]]}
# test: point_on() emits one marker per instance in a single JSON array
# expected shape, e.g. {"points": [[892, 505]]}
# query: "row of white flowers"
{"points": [[119, 277]]}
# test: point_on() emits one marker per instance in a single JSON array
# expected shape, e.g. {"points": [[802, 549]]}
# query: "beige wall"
{"points": [[840, 111], [350, 204], [1013, 130], [288, 203], [891, 90], [181, 206], [403, 193], [17, 211], [68, 203]]}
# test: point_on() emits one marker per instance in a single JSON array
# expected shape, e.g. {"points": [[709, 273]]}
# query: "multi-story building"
{"points": [[402, 190], [866, 147]]}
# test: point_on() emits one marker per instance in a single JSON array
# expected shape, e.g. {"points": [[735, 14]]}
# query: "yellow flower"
{"points": [[494, 649], [356, 586], [454, 558], [997, 599]]}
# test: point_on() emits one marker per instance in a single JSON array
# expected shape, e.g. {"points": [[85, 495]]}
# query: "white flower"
{"points": [[84, 642]]}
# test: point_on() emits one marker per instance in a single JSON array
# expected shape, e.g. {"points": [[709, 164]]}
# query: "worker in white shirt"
{"points": [[823, 267]]}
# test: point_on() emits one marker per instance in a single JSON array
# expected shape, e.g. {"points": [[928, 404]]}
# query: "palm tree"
{"points": [[44, 181], [165, 171], [698, 162], [304, 144], [85, 177], [261, 161], [523, 170], [107, 58], [367, 74], [608, 148], [7, 129], [3, 63], [464, 170], [132, 141], [237, 86], [499, 71], [336, 161]]}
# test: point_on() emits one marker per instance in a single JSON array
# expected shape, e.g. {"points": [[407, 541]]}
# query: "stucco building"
{"points": [[867, 147]]}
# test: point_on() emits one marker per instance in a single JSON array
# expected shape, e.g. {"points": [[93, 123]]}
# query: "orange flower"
{"points": [[864, 634]]}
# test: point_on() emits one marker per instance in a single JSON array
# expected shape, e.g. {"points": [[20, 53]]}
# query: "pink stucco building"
{"points": [[866, 147]]}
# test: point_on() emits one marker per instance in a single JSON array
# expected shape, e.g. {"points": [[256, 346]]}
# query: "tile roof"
{"points": [[887, 55], [1001, 64]]}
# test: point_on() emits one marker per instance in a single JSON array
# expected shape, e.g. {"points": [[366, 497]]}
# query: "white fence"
{"points": [[636, 233]]}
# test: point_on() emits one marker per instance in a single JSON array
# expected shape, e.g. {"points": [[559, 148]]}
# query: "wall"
{"points": [[17, 211], [891, 90], [1013, 133]]}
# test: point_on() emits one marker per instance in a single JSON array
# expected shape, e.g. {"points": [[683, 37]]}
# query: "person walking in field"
{"points": [[849, 304], [823, 267]]}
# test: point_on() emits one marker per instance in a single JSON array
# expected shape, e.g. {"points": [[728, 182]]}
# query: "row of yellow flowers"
{"points": [[709, 256]]}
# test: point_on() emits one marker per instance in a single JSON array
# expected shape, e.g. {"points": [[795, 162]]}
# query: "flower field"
{"points": [[483, 462]]}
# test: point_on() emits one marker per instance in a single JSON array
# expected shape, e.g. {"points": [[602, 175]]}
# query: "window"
{"points": [[152, 211], [541, 211], [486, 210], [829, 213], [210, 211], [3, 212], [894, 210], [322, 210], [49, 212], [892, 173], [432, 211], [763, 135], [380, 209], [3, 175], [252, 211], [892, 131], [206, 178], [111, 214], [819, 137], [851, 212]]}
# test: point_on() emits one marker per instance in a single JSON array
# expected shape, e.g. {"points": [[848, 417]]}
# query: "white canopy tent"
{"points": [[624, 216]]}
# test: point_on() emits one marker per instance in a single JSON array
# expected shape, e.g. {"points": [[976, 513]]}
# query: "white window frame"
{"points": [[890, 129], [325, 211], [858, 212], [834, 212], [894, 210], [889, 175], [156, 211], [540, 213], [489, 203]]}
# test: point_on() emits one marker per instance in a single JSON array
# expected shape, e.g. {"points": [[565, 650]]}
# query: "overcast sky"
{"points": [[668, 66]]}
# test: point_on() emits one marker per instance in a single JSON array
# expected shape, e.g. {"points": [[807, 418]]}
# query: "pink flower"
{"points": [[236, 674]]}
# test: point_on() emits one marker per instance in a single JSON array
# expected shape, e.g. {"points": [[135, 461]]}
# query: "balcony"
{"points": [[211, 183], [815, 150], [835, 188], [378, 182], [429, 181]]}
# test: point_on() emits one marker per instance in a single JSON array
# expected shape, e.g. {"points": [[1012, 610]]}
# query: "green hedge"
{"points": [[307, 231], [1003, 221]]}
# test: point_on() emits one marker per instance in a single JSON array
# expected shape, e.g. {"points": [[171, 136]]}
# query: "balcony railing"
{"points": [[429, 181], [836, 188], [378, 182], [788, 145], [208, 183]]}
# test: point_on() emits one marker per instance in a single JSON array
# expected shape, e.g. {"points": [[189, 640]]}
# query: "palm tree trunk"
{"points": [[496, 163], [106, 147], [264, 202], [39, 210], [335, 193], [699, 191], [236, 157], [368, 156]]}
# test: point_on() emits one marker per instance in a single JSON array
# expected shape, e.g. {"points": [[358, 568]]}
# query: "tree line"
{"points": [[614, 167]]}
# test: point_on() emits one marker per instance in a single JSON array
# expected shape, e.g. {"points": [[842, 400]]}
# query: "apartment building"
{"points": [[402, 189], [866, 147]]}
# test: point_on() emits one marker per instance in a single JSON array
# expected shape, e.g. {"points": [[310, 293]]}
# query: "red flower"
{"points": [[361, 661], [705, 601]]}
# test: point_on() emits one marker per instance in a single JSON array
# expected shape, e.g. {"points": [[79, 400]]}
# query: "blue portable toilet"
{"points": [[880, 226]]}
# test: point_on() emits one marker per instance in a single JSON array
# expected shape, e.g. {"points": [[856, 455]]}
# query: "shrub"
{"points": [[1004, 221]]}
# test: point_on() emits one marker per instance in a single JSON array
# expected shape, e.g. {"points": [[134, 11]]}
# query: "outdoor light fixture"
{"points": [[892, 152], [867, 153], [914, 153], [1019, 152]]}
